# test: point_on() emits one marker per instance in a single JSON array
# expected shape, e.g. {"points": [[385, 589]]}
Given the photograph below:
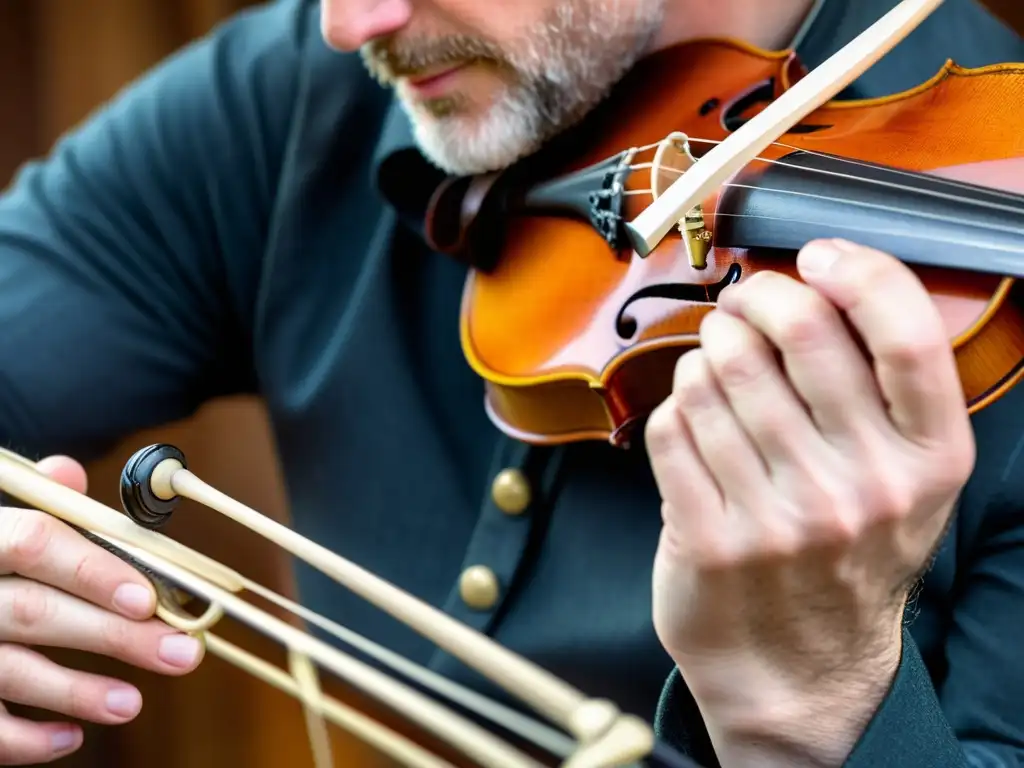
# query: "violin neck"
{"points": [[920, 218]]}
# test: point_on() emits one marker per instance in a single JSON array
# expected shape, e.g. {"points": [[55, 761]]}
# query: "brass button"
{"points": [[511, 491], [478, 587]]}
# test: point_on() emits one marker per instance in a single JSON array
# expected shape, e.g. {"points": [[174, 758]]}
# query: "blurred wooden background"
{"points": [[59, 59], [1010, 11]]}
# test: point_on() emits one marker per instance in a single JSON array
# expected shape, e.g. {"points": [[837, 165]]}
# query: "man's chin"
{"points": [[464, 146]]}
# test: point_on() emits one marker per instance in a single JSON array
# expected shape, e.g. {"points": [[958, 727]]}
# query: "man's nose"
{"points": [[346, 25]]}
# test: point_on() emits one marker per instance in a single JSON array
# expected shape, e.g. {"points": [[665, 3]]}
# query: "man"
{"points": [[247, 218]]}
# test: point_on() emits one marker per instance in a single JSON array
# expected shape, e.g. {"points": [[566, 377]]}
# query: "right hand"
{"points": [[57, 589]]}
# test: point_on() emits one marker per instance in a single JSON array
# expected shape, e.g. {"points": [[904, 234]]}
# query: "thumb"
{"points": [[65, 471]]}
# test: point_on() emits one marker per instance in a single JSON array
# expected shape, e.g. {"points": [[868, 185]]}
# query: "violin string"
{"points": [[864, 204], [954, 184], [939, 180], [845, 201], [913, 233], [532, 730], [1014, 197]]}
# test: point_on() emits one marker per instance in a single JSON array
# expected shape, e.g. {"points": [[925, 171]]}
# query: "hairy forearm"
{"points": [[757, 720]]}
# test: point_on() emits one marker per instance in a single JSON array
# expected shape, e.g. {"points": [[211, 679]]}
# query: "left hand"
{"points": [[807, 477]]}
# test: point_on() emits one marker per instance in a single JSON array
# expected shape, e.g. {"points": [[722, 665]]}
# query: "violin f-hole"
{"points": [[740, 111], [626, 327]]}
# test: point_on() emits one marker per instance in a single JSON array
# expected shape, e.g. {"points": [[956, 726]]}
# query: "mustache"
{"points": [[389, 59]]}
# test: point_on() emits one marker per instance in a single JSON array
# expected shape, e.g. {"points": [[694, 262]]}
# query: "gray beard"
{"points": [[556, 74]]}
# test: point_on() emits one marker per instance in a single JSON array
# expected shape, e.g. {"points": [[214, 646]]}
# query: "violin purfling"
{"points": [[576, 327]]}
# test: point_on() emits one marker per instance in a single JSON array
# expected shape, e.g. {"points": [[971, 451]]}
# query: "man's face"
{"points": [[486, 82]]}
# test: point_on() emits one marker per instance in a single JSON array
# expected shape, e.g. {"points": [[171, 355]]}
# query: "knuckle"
{"points": [[800, 331], [26, 537], [9, 657], [895, 502], [32, 606], [737, 367], [772, 427], [873, 267], [836, 511], [892, 497], [865, 269], [117, 638], [842, 527], [13, 658], [81, 701], [692, 385], [914, 348], [804, 325], [779, 542], [12, 664], [765, 280], [660, 429], [717, 555], [87, 572]]}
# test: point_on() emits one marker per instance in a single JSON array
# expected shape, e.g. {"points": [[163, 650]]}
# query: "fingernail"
{"points": [[817, 258], [124, 702], [63, 740], [179, 650], [133, 600]]}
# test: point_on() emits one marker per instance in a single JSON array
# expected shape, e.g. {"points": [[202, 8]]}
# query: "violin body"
{"points": [[577, 335]]}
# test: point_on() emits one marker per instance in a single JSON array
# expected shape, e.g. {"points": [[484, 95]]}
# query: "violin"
{"points": [[592, 264], [575, 318]]}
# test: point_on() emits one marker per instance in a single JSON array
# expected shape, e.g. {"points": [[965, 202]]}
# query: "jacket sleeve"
{"points": [[964, 709], [129, 255]]}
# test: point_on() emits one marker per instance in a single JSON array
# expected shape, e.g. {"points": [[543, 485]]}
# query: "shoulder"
{"points": [[959, 30], [258, 65]]}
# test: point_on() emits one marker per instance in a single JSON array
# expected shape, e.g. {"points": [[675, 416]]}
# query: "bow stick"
{"points": [[729, 157], [156, 478]]}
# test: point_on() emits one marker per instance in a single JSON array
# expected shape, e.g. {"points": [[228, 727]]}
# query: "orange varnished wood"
{"points": [[538, 327]]}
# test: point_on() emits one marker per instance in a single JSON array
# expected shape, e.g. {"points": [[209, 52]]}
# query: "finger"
{"points": [[42, 548], [692, 502], [825, 365], [723, 446], [678, 469], [771, 414], [36, 614], [24, 742], [31, 679], [65, 471], [902, 329]]}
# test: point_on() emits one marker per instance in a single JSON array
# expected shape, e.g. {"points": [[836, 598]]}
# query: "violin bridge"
{"points": [[672, 159]]}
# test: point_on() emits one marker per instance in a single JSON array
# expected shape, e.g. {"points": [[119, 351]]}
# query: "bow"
{"points": [[582, 731]]}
